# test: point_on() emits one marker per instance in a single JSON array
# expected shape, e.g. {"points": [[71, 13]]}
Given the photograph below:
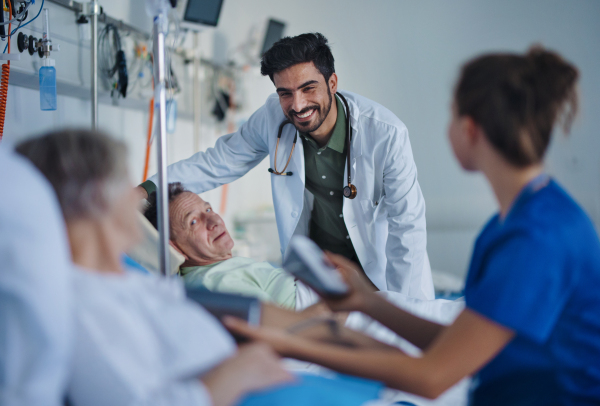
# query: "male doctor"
{"points": [[383, 226]]}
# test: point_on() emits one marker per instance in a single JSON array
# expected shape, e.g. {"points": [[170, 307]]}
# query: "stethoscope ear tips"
{"points": [[350, 191]]}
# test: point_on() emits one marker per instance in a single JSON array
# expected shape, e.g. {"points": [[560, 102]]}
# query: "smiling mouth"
{"points": [[220, 235], [305, 116]]}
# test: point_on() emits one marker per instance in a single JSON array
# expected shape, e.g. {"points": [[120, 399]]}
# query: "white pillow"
{"points": [[146, 252]]}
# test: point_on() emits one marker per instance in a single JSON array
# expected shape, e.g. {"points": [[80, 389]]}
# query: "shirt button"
{"points": [[347, 237], [324, 177], [341, 215], [319, 153], [294, 214], [331, 193]]}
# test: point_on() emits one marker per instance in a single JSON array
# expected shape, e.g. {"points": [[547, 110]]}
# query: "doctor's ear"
{"points": [[332, 83]]}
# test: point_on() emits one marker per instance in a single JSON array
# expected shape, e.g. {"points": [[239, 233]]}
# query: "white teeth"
{"points": [[308, 113]]}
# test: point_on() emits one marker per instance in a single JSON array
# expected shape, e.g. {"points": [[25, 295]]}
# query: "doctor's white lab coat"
{"points": [[386, 220]]}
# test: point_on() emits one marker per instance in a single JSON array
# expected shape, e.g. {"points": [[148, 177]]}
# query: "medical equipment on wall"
{"points": [[274, 33], [349, 190], [197, 14]]}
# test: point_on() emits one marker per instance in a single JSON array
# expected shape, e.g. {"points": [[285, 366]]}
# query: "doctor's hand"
{"points": [[142, 193], [254, 367], [360, 294]]}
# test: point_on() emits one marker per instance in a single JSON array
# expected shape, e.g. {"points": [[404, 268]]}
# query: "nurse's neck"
{"points": [[507, 180], [322, 135], [94, 245]]}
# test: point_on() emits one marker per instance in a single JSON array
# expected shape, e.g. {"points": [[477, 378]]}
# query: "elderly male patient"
{"points": [[201, 236]]}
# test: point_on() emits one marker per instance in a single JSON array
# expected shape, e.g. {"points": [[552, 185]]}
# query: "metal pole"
{"points": [[196, 92], [160, 25], [94, 11]]}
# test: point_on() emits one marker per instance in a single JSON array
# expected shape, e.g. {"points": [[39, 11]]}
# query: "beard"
{"points": [[320, 116]]}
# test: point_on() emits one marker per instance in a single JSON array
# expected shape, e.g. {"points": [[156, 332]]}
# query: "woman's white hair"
{"points": [[87, 169]]}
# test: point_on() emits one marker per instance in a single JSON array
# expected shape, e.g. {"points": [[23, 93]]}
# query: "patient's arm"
{"points": [[418, 331], [317, 322], [460, 350], [254, 367]]}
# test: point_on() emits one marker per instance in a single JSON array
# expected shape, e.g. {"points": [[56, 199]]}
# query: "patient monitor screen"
{"points": [[203, 11]]}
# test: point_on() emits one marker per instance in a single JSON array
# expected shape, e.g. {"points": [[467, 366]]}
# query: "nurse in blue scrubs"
{"points": [[530, 332]]}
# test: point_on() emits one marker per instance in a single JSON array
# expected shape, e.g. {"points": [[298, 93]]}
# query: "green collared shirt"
{"points": [[325, 180], [244, 276]]}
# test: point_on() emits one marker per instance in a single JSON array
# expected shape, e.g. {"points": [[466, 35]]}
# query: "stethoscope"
{"points": [[350, 190]]}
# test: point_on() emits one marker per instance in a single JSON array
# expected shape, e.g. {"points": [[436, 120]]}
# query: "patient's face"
{"points": [[197, 231]]}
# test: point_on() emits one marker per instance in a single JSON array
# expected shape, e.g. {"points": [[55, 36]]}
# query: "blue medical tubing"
{"points": [[21, 26]]}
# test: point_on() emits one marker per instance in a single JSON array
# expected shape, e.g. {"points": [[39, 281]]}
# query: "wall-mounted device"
{"points": [[197, 15], [273, 34]]}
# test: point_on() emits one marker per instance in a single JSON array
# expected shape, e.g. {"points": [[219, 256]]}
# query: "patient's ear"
{"points": [[174, 245]]}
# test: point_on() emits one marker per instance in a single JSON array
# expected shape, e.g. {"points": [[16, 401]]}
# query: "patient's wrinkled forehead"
{"points": [[184, 206]]}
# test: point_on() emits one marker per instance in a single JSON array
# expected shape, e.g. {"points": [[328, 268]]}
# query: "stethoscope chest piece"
{"points": [[350, 191]]}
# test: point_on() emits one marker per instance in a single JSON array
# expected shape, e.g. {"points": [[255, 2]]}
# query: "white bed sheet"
{"points": [[439, 310]]}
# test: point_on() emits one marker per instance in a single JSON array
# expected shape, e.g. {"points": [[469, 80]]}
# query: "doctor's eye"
{"points": [[194, 221], [208, 210]]}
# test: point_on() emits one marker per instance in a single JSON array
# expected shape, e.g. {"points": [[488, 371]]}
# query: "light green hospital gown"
{"points": [[246, 277]]}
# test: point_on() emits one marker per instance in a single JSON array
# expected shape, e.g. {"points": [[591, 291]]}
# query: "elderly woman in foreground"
{"points": [[133, 331]]}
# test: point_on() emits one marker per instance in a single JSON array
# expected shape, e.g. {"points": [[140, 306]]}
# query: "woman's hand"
{"points": [[360, 290], [254, 367]]}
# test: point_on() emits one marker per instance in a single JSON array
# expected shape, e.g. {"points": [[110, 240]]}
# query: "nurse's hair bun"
{"points": [[517, 99], [554, 80]]}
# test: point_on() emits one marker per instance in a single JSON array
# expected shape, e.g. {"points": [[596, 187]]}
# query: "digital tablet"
{"points": [[308, 263]]}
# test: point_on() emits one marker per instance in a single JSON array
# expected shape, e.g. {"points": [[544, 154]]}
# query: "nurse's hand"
{"points": [[278, 338], [360, 293], [254, 367]]}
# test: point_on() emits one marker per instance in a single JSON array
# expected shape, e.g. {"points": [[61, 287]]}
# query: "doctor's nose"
{"points": [[299, 103]]}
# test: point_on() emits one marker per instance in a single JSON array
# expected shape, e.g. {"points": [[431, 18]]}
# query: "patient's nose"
{"points": [[211, 222]]}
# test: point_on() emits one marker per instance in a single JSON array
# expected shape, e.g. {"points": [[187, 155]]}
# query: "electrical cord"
{"points": [[4, 82], [21, 26], [19, 17], [112, 58]]}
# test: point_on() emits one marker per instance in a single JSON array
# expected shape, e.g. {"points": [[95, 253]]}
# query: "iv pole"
{"points": [[160, 8]]}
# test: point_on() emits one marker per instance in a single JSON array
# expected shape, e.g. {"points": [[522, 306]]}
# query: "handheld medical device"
{"points": [[226, 304], [307, 262], [349, 190]]}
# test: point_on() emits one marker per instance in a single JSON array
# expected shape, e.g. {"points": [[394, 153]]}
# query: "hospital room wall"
{"points": [[402, 54], [406, 55]]}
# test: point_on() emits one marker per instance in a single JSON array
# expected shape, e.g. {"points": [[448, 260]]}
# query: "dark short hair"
{"points": [[517, 99], [87, 169], [290, 51], [151, 212]]}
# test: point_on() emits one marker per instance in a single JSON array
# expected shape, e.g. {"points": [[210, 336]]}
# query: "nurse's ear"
{"points": [[472, 131], [332, 83]]}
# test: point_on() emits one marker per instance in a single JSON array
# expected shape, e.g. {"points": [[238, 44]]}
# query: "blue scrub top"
{"points": [[537, 272]]}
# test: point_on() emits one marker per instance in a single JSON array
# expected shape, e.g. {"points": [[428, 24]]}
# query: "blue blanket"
{"points": [[310, 390]]}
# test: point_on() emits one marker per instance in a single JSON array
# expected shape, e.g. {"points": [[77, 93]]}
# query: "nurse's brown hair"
{"points": [[517, 99]]}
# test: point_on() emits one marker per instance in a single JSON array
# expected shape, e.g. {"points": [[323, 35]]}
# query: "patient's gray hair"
{"points": [[87, 169]]}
